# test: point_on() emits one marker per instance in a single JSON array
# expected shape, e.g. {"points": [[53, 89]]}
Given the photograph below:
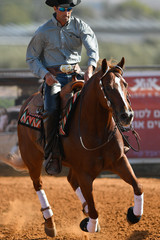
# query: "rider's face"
{"points": [[61, 16]]}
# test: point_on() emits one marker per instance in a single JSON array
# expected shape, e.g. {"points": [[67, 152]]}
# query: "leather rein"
{"points": [[117, 124], [136, 135]]}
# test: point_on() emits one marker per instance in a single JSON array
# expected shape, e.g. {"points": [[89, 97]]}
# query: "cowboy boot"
{"points": [[52, 153]]}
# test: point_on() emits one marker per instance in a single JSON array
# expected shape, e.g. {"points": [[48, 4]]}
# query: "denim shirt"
{"points": [[54, 45]]}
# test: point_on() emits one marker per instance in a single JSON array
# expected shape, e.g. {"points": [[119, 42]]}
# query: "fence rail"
{"points": [[27, 73], [24, 77]]}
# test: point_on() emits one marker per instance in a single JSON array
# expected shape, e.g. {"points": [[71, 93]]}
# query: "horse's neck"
{"points": [[94, 116]]}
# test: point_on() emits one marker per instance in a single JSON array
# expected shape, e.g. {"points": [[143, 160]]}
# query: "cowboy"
{"points": [[56, 43]]}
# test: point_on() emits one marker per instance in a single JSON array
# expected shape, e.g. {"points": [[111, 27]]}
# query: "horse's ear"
{"points": [[122, 62], [104, 65]]}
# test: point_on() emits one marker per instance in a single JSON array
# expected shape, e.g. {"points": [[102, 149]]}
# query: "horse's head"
{"points": [[115, 92]]}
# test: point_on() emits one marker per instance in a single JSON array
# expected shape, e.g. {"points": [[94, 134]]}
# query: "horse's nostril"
{"points": [[124, 116]]}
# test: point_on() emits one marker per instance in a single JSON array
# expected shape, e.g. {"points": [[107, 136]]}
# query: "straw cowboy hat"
{"points": [[62, 3]]}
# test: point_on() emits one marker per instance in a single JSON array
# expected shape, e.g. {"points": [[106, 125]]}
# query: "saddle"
{"points": [[36, 105]]}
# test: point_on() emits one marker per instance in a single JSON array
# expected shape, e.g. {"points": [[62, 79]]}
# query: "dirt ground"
{"points": [[20, 216]]}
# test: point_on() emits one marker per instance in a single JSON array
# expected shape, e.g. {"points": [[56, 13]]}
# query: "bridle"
{"points": [[117, 124], [102, 86], [120, 127]]}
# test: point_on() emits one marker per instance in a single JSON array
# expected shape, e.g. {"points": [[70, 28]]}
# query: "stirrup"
{"points": [[52, 165]]}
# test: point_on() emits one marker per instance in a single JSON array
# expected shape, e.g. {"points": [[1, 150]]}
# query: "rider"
{"points": [[59, 42]]}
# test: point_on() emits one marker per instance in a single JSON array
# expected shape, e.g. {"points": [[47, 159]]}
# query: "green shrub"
{"points": [[143, 53]]}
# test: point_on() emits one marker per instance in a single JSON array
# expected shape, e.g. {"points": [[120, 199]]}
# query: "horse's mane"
{"points": [[111, 63]]}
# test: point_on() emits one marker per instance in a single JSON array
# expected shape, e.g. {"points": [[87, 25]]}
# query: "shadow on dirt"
{"points": [[139, 235]]}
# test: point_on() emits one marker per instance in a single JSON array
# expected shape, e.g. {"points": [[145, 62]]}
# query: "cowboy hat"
{"points": [[62, 3]]}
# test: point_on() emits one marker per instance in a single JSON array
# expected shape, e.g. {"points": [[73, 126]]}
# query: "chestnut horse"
{"points": [[94, 144]]}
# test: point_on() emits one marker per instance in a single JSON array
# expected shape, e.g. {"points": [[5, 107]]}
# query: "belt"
{"points": [[68, 69], [54, 70]]}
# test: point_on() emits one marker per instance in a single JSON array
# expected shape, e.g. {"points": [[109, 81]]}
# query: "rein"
{"points": [[136, 135], [80, 137]]}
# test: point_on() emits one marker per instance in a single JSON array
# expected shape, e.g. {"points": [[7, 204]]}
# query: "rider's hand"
{"points": [[50, 79], [88, 73]]}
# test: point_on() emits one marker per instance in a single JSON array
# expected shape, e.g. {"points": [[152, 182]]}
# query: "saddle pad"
{"points": [[65, 122], [32, 121], [35, 121]]}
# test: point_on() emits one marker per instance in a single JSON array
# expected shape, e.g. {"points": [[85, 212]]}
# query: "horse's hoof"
{"points": [[131, 217], [50, 228], [83, 225]]}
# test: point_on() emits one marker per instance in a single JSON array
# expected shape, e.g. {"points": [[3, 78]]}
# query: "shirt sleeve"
{"points": [[34, 51], [90, 43]]}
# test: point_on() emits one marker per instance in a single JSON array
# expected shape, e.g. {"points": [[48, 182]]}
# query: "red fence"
{"points": [[144, 88]]}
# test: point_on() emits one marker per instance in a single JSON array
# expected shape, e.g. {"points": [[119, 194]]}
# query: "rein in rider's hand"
{"points": [[50, 79]]}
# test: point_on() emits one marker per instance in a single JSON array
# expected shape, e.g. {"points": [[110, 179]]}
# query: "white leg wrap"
{"points": [[44, 204], [92, 225], [81, 198], [138, 205], [80, 195]]}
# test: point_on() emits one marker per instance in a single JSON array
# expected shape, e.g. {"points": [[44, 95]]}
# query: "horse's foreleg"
{"points": [[88, 224], [83, 201], [124, 170], [74, 184]]}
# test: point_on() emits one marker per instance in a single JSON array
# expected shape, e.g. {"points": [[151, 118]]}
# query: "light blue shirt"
{"points": [[54, 45]]}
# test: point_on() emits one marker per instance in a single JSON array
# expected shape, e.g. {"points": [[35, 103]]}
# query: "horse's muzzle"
{"points": [[126, 117]]}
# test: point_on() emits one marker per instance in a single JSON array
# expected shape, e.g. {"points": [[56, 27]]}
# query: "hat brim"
{"points": [[66, 5], [51, 4]]}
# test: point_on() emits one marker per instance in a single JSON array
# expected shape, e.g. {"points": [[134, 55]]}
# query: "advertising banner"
{"points": [[144, 88]]}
